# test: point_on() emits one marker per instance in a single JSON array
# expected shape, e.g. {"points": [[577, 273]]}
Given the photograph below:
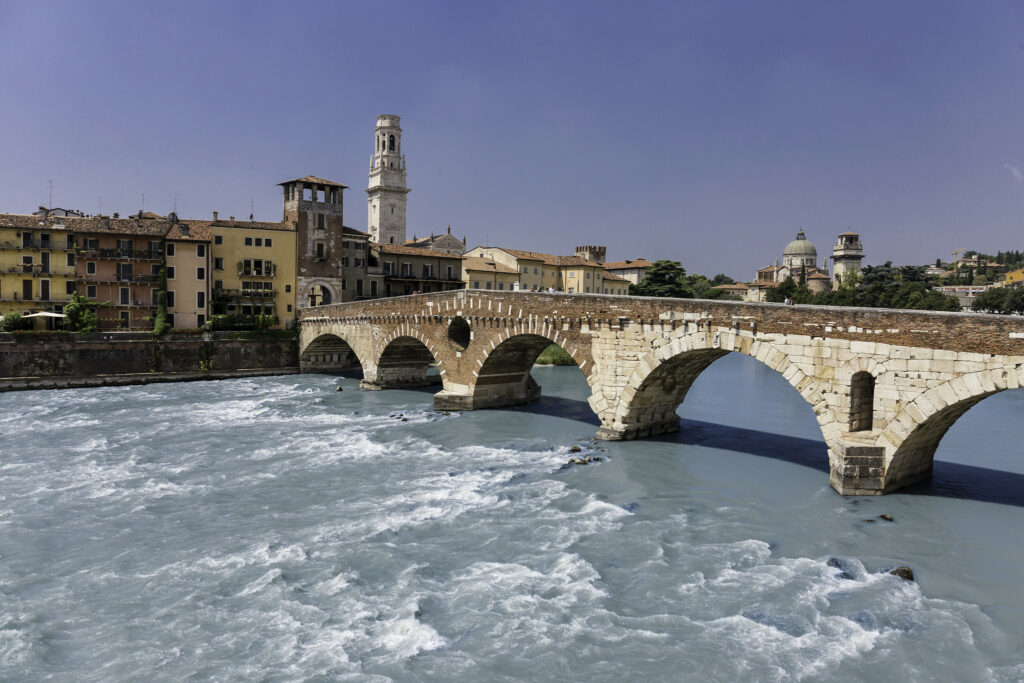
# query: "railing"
{"points": [[141, 279], [149, 254], [428, 278], [38, 244], [267, 271], [37, 269], [53, 298], [245, 293]]}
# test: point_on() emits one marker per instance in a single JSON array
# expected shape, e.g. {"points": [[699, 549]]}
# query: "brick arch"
{"points": [[397, 362], [663, 377], [912, 437]]}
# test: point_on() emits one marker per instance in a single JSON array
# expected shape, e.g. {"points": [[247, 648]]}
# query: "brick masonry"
{"points": [[920, 371]]}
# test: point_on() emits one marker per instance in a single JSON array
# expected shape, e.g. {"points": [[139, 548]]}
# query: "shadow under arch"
{"points": [[659, 385], [405, 359], [329, 353], [504, 377], [930, 416]]}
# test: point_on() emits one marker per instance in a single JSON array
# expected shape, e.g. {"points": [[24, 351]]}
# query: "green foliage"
{"points": [[883, 286], [242, 322], [80, 314], [666, 279], [205, 365], [14, 321], [554, 355], [1000, 300], [160, 324]]}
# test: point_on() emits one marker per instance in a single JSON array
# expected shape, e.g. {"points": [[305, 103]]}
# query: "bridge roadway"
{"points": [[885, 385]]}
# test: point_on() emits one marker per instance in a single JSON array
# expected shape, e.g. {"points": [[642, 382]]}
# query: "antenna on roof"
{"points": [[175, 207], [252, 210], [143, 210], [50, 205]]}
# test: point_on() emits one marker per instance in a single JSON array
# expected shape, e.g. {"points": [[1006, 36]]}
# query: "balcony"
{"points": [[245, 293], [39, 270], [56, 245], [138, 279], [138, 254], [265, 271], [56, 298]]}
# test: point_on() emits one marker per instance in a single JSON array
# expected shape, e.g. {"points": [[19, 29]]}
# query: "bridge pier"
{"points": [[490, 395]]}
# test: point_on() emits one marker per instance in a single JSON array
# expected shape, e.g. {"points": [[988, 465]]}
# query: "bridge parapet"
{"points": [[884, 384]]}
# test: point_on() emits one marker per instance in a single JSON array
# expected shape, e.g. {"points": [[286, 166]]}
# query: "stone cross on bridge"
{"points": [[885, 385]]}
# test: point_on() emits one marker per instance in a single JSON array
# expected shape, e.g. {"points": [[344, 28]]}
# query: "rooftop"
{"points": [[486, 265], [413, 251], [314, 180], [628, 263]]}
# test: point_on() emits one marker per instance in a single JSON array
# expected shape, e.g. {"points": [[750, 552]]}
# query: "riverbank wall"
{"points": [[60, 361]]}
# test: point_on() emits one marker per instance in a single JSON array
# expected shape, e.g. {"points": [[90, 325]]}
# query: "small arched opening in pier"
{"points": [[862, 401], [331, 354], [405, 361]]}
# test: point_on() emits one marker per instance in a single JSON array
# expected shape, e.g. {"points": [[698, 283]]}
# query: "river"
{"points": [[274, 529]]}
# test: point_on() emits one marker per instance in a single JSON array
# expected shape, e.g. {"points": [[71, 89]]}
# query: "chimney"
{"points": [[214, 216], [117, 215], [232, 219], [183, 227]]}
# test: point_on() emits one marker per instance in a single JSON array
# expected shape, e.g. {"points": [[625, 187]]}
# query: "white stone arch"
{"points": [[912, 436], [321, 337], [325, 285], [621, 419]]}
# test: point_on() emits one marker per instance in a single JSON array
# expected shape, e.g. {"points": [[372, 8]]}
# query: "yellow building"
{"points": [[37, 264], [483, 273], [1014, 278], [253, 269], [540, 272]]}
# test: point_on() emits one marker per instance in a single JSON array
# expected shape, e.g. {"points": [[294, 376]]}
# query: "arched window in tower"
{"points": [[862, 401], [391, 143]]}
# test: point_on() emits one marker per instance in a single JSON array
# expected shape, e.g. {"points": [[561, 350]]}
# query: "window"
{"points": [[360, 263], [450, 273], [218, 284], [71, 241], [321, 250], [170, 298], [125, 246], [268, 242], [44, 290], [218, 239], [344, 261], [200, 273], [92, 243], [391, 143], [588, 275], [200, 320], [90, 267], [501, 285], [587, 290], [71, 260], [124, 272], [319, 221], [90, 291], [218, 263], [155, 296], [289, 308], [476, 284], [862, 401], [359, 287], [170, 319], [248, 241], [170, 272], [154, 269], [125, 296], [201, 250], [259, 241], [288, 288], [200, 299], [70, 287], [170, 249], [535, 270], [124, 319], [373, 288]]}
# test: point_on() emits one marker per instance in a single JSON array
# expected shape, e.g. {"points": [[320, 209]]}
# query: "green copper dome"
{"points": [[801, 246]]}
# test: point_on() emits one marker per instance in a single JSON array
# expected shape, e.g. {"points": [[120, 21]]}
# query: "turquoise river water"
{"points": [[275, 529]]}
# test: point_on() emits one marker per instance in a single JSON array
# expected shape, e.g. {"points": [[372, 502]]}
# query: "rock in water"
{"points": [[338, 389], [575, 449], [887, 518], [904, 572]]}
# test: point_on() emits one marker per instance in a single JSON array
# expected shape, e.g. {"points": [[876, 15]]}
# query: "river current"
{"points": [[275, 529]]}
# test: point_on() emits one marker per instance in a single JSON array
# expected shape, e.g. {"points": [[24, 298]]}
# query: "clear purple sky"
{"points": [[707, 132]]}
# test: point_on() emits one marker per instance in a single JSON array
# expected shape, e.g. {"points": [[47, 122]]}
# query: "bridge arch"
{"points": [[646, 405], [403, 358], [329, 352], [502, 368], [920, 426]]}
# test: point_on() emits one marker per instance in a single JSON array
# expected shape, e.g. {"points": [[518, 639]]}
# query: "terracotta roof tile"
{"points": [[486, 265], [628, 263], [549, 259], [413, 251]]}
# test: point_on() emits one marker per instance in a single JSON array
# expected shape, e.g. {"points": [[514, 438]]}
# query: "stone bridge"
{"points": [[885, 385]]}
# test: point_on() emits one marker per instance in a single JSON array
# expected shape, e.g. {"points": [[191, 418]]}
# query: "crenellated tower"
{"points": [[387, 191]]}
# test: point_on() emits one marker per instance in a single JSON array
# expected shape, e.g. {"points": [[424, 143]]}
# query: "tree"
{"points": [[722, 279], [665, 278], [80, 314], [785, 290], [13, 321]]}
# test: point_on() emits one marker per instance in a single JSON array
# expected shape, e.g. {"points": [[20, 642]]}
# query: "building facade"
{"points": [[633, 270], [188, 274], [253, 269], [37, 264], [387, 191], [445, 243], [485, 273], [846, 257], [538, 271], [413, 270]]}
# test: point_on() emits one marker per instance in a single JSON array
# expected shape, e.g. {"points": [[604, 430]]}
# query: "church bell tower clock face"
{"points": [[387, 188]]}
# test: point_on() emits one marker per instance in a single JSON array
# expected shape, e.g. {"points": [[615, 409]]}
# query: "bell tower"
{"points": [[387, 191]]}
